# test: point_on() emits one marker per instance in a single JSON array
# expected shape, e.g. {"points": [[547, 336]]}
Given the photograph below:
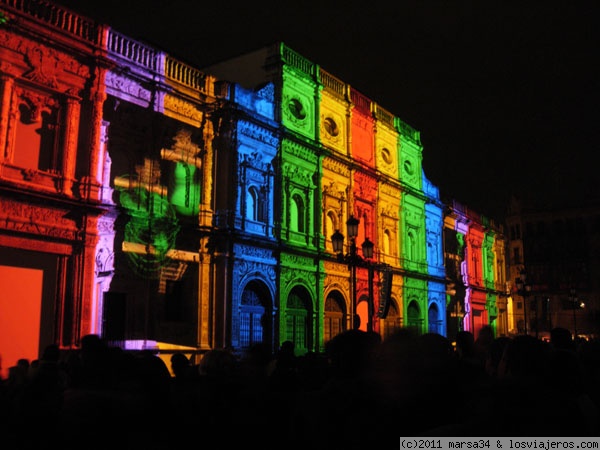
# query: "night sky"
{"points": [[505, 97]]}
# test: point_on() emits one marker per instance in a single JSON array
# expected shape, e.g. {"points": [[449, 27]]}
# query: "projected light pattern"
{"points": [[244, 185], [151, 230], [404, 223], [186, 190]]}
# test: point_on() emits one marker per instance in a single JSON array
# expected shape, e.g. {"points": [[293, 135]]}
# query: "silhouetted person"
{"points": [[470, 361], [589, 354], [218, 380], [561, 338], [485, 337], [284, 376], [494, 355], [181, 366], [346, 396], [573, 412], [42, 399]]}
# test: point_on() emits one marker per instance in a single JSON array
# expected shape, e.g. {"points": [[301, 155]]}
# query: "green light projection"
{"points": [[185, 195], [152, 227], [299, 169]]}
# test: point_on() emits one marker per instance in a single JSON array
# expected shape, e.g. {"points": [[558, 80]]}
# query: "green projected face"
{"points": [[152, 225]]}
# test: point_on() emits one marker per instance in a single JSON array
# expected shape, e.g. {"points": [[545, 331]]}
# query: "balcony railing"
{"points": [[57, 17], [134, 51], [185, 74], [298, 61], [333, 84]]}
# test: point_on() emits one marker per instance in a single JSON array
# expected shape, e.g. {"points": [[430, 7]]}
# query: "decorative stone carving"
{"points": [[259, 134], [36, 102], [26, 218], [336, 167], [133, 91], [182, 110], [44, 66]]}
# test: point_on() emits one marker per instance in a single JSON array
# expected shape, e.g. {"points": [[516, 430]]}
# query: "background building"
{"points": [[554, 253]]}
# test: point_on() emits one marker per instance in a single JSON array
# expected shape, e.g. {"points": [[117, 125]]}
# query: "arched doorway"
{"points": [[362, 311], [393, 321], [413, 316], [256, 315], [434, 319], [297, 323], [335, 311]]}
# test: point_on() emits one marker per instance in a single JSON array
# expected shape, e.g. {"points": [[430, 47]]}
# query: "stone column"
{"points": [[72, 115], [106, 164], [96, 149], [206, 213]]}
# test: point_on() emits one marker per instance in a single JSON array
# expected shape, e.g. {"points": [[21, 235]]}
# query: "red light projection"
{"points": [[20, 311]]}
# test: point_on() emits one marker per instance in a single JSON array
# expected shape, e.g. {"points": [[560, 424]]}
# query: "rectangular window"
{"points": [[35, 140]]}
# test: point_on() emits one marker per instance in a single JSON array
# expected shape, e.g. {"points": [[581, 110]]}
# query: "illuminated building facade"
{"points": [[340, 155], [147, 201], [476, 271]]}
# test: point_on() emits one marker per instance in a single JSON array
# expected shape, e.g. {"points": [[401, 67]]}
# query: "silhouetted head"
{"points": [[51, 353], [465, 342], [218, 363], [561, 338], [179, 364], [351, 352]]}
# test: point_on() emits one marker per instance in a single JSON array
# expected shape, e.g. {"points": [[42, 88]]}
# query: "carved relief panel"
{"points": [[298, 104], [386, 153], [333, 121], [410, 164]]}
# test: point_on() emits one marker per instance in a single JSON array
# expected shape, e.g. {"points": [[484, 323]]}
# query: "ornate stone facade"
{"points": [[174, 208]]}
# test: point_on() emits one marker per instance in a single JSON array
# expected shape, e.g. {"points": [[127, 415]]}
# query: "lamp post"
{"points": [[523, 289], [367, 248], [575, 304], [573, 298], [354, 260], [451, 292]]}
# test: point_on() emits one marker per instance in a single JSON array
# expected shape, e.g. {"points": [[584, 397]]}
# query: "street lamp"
{"points": [[367, 248], [575, 304], [353, 260], [573, 298], [523, 289]]}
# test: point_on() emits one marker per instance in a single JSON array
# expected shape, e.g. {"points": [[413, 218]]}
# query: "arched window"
{"points": [[330, 228], [252, 203], [387, 243], [297, 214], [411, 249], [255, 205]]}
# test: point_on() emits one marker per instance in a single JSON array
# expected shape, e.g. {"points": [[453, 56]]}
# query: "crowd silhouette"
{"points": [[362, 392]]}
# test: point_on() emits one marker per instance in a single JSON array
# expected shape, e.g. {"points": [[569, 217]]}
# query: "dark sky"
{"points": [[505, 94]]}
